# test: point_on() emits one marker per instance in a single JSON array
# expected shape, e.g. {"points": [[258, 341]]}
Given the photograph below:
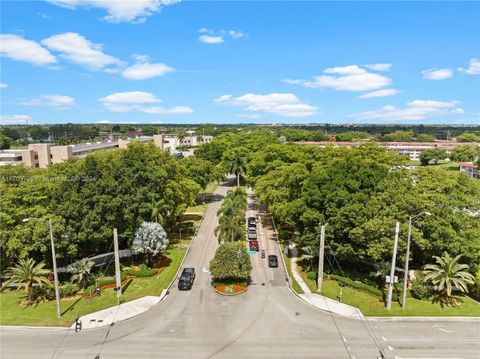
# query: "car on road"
{"points": [[272, 261], [253, 245], [263, 253], [185, 282], [252, 222], [252, 236]]}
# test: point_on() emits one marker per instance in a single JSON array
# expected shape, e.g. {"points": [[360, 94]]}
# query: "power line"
{"points": [[363, 319]]}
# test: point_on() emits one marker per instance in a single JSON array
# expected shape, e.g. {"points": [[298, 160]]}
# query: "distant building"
{"points": [[410, 149], [41, 155], [470, 169]]}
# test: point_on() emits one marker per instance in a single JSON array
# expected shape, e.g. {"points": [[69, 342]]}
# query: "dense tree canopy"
{"points": [[86, 199], [361, 193]]}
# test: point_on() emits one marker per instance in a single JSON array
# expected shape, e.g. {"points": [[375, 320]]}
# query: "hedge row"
{"points": [[142, 272], [358, 285]]}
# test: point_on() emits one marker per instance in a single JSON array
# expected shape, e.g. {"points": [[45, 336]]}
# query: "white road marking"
{"points": [[205, 270], [344, 339], [465, 340], [390, 348], [384, 339], [446, 331]]}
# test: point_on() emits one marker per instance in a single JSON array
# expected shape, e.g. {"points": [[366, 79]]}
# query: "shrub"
{"points": [[148, 272], [419, 289], [358, 285], [312, 275], [68, 289], [475, 287], [109, 280], [44, 292]]}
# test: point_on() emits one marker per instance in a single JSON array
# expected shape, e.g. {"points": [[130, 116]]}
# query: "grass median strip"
{"points": [[373, 306], [44, 314]]}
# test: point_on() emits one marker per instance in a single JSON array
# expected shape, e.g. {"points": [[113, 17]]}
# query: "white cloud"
{"points": [[45, 16], [119, 10], [346, 78], [143, 71], [222, 98], [415, 110], [3, 85], [17, 48], [136, 100], [56, 101], [127, 101], [380, 93], [217, 37], [208, 39], [235, 34], [77, 49], [379, 67], [437, 74], [473, 67], [280, 104], [14, 119]]}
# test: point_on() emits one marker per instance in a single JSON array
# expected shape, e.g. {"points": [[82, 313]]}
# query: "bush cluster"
{"points": [[357, 285]]}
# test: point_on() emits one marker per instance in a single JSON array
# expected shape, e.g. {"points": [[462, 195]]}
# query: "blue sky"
{"points": [[158, 61]]}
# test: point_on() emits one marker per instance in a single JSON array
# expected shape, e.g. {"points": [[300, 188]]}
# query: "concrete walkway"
{"points": [[317, 300], [123, 311]]}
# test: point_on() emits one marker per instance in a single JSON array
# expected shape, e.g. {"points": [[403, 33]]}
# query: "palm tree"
{"points": [[159, 212], [446, 274], [309, 254], [236, 163], [25, 273], [81, 271]]}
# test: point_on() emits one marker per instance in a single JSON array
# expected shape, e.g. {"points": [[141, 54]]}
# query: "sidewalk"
{"points": [[120, 312], [317, 300]]}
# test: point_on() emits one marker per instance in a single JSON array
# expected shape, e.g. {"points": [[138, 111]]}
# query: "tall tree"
{"points": [[235, 162]]}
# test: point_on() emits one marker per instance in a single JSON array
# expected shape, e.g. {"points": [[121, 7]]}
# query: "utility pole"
{"points": [[392, 270], [55, 274], [118, 281], [321, 256], [407, 258]]}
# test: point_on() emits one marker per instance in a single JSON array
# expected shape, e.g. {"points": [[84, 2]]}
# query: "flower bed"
{"points": [[230, 289]]}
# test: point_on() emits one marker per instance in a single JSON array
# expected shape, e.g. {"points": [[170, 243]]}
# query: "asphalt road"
{"points": [[266, 322]]}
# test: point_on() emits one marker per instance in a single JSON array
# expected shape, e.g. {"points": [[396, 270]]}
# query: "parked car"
{"points": [[253, 245], [252, 230], [252, 236], [272, 261], [252, 222], [263, 253], [185, 282]]}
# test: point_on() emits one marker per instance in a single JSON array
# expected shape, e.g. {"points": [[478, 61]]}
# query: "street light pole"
{"points": [[54, 262], [321, 256], [407, 259], [55, 274], [392, 270]]}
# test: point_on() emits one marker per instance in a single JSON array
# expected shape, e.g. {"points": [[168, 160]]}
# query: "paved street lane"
{"points": [[266, 322]]}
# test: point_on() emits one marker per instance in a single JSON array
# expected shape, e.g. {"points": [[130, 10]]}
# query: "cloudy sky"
{"points": [[166, 61]]}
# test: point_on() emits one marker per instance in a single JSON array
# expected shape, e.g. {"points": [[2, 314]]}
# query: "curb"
{"points": [[163, 295], [425, 319]]}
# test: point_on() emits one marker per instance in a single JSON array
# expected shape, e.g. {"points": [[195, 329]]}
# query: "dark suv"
{"points": [[185, 281], [252, 222], [272, 261]]}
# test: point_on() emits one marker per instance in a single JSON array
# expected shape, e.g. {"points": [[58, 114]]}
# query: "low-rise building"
{"points": [[411, 149], [470, 169]]}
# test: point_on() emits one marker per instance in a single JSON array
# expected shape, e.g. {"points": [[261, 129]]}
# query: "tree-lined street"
{"points": [[266, 322]]}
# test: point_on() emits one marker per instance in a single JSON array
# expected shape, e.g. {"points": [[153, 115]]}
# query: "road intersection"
{"points": [[266, 322]]}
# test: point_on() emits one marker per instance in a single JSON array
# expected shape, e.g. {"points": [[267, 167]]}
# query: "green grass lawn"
{"points": [[12, 313], [296, 287], [373, 306]]}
